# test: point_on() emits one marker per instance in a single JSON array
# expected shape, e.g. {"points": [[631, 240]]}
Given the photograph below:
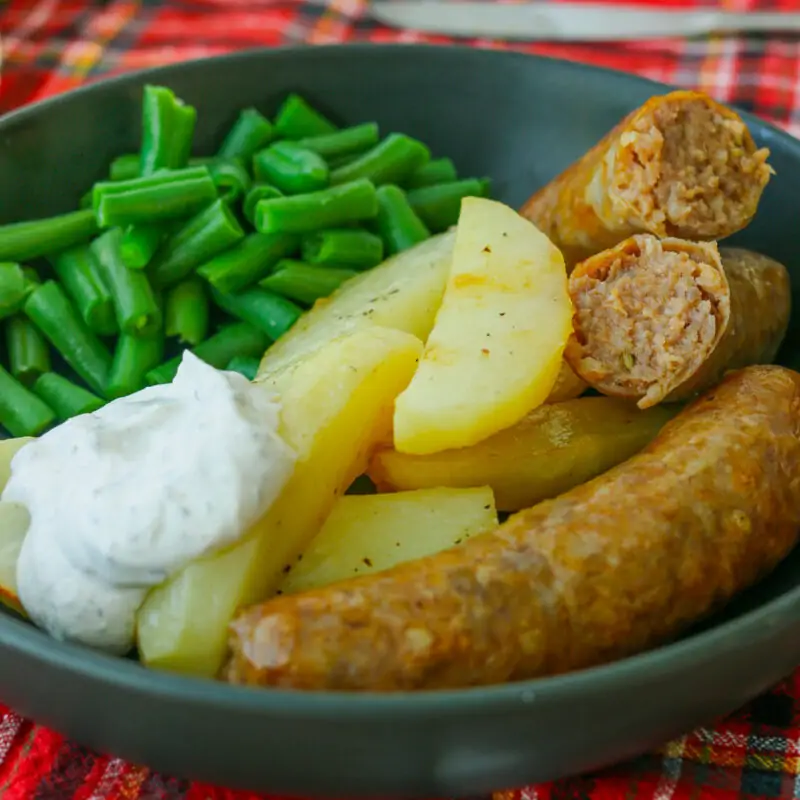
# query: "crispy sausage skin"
{"points": [[664, 319], [680, 165], [606, 570]]}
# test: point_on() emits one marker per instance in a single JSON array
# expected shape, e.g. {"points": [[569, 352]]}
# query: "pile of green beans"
{"points": [[219, 254]]}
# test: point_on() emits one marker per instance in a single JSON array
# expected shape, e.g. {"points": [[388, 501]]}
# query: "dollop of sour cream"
{"points": [[122, 498]]}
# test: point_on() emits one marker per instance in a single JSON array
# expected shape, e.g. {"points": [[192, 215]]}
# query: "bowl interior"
{"points": [[518, 125]]}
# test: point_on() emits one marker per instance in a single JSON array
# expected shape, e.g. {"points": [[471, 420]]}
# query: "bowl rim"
{"points": [[126, 675]]}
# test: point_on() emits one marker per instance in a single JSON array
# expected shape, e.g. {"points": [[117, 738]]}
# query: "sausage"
{"points": [[606, 570], [663, 320], [681, 165]]}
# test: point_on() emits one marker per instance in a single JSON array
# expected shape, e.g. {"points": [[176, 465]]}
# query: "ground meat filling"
{"points": [[691, 171], [648, 322]]}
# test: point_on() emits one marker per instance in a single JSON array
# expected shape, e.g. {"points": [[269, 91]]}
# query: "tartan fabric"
{"points": [[51, 46]]}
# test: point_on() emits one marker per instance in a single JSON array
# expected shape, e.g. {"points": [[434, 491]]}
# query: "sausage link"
{"points": [[606, 570], [680, 165], [664, 319]]}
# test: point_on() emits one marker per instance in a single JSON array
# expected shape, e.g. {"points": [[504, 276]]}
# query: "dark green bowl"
{"points": [[519, 120]]}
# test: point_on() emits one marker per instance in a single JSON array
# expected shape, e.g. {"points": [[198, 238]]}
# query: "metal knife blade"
{"points": [[569, 21]]}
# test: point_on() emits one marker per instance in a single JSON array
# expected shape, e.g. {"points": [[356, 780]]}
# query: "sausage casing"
{"points": [[611, 568], [680, 165]]}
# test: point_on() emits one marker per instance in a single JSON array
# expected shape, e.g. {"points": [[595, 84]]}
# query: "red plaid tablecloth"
{"points": [[51, 46]]}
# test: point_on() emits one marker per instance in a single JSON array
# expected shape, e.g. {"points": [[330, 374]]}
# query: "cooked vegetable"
{"points": [[328, 208], [403, 293], [552, 450], [336, 407], [439, 206], [344, 142], [369, 533], [296, 119], [187, 312], [64, 397], [167, 130], [135, 304], [139, 244], [305, 283], [54, 315], [207, 234], [259, 191], [22, 241], [249, 133], [391, 161], [78, 271], [230, 177], [28, 355], [237, 339], [439, 170], [397, 222], [343, 247], [268, 312], [14, 523], [125, 167], [13, 288], [495, 351], [134, 357], [252, 258], [8, 449], [244, 365], [165, 196], [291, 168], [22, 413]]}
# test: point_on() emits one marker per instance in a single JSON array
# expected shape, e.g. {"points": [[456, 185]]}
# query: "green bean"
{"points": [[86, 200], [346, 247], [343, 142], [28, 355], [237, 339], [135, 305], [32, 279], [248, 261], [167, 130], [125, 167], [187, 312], [260, 191], [340, 161], [297, 120], [291, 168], [139, 244], [305, 283], [392, 161], [439, 206], [398, 224], [134, 357], [209, 233], [79, 272], [22, 241], [51, 311], [268, 312], [244, 365], [13, 288], [249, 133], [440, 170], [64, 397], [230, 177], [167, 195], [22, 413], [328, 208]]}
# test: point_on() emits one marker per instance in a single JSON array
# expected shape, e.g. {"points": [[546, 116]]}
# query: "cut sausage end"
{"points": [[690, 169], [647, 314]]}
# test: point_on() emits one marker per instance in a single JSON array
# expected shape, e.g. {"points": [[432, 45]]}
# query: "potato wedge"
{"points": [[402, 293], [370, 533], [14, 522], [495, 349], [553, 449], [337, 405], [8, 449]]}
